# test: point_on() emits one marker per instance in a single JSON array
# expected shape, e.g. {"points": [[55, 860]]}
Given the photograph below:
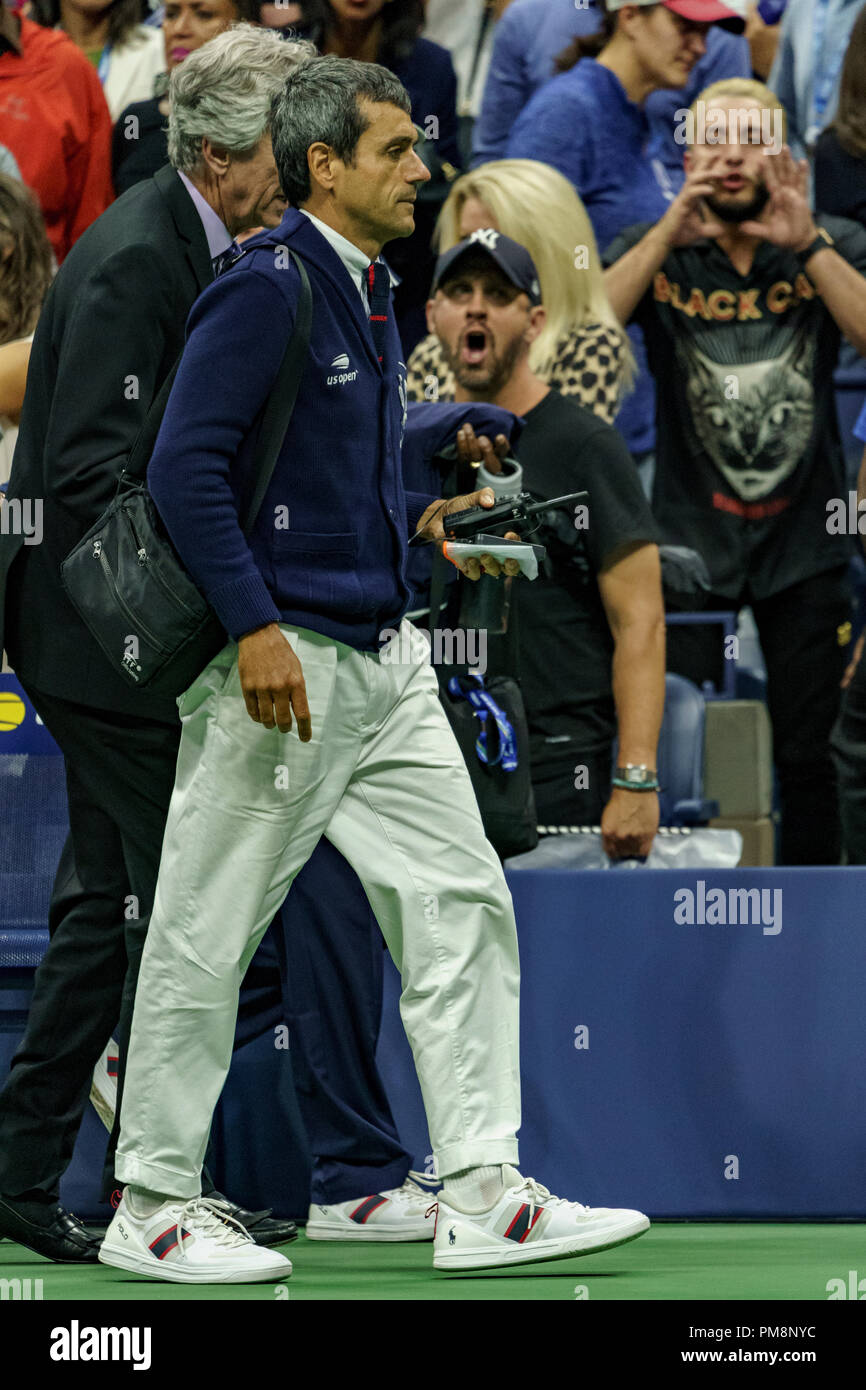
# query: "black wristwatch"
{"points": [[820, 243]]}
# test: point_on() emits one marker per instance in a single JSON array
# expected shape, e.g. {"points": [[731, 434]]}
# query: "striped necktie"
{"points": [[225, 258], [379, 295]]}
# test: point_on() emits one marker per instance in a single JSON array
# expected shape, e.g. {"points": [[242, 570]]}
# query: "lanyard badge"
{"points": [[485, 706]]}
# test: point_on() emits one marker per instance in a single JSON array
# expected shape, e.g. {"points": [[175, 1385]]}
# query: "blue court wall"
{"points": [[722, 1070]]}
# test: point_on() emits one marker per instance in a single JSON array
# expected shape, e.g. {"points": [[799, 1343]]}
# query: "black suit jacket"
{"points": [[110, 329]]}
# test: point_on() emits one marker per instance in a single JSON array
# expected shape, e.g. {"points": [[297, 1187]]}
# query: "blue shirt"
{"points": [[624, 162], [529, 37], [607, 162], [584, 125]]}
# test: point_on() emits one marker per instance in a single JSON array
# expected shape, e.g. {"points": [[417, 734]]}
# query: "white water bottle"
{"points": [[484, 602]]}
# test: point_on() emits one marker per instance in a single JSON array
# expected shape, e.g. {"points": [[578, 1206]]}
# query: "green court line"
{"points": [[671, 1262]]}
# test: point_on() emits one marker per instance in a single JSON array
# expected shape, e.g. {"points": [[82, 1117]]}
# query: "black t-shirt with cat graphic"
{"points": [[747, 440]]}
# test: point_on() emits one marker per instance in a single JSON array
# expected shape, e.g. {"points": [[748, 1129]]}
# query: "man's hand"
{"points": [[431, 525], [272, 682], [686, 220], [629, 823], [474, 449], [788, 219]]}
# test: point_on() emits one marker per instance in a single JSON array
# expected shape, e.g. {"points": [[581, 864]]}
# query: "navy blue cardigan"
{"points": [[329, 549]]}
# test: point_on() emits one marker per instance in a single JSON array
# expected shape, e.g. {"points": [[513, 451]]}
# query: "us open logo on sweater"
{"points": [[342, 373]]}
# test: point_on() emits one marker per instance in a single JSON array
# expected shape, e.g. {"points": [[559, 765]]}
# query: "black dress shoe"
{"points": [[50, 1230], [261, 1226]]}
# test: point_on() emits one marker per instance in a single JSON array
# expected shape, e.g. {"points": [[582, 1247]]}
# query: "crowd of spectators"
{"points": [[560, 126]]}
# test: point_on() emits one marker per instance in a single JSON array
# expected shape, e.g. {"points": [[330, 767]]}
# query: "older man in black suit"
{"points": [[111, 328]]}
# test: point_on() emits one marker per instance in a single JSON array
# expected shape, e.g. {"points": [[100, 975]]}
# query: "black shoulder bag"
{"points": [[124, 576]]}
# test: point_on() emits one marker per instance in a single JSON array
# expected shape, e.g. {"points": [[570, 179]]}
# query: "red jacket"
{"points": [[54, 119]]}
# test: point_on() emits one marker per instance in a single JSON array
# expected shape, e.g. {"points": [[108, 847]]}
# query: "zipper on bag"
{"points": [[163, 583], [137, 624]]}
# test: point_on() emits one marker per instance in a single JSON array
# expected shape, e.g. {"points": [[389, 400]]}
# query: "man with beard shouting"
{"points": [[743, 297]]}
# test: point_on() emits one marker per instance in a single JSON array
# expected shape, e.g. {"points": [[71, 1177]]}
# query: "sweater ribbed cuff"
{"points": [[416, 505], [243, 604]]}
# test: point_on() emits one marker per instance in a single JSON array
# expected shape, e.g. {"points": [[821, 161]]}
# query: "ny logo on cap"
{"points": [[487, 237]]}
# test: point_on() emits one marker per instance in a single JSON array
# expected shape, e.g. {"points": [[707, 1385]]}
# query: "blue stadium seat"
{"points": [[681, 756], [22, 950]]}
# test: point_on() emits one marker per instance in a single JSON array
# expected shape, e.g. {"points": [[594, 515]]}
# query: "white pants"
{"points": [[384, 779]]}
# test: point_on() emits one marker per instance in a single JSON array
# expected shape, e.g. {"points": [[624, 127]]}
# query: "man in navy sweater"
{"points": [[306, 724]]}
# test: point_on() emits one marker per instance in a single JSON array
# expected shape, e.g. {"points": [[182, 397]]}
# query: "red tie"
{"points": [[379, 290]]}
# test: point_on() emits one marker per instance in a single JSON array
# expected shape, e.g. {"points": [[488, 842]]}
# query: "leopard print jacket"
{"points": [[588, 365]]}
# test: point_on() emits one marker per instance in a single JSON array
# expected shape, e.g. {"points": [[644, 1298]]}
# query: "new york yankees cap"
{"points": [[513, 260]]}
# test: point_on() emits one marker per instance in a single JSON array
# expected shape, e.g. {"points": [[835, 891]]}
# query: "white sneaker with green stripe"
{"points": [[526, 1224]]}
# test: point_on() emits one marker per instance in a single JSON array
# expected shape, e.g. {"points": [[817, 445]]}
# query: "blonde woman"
{"points": [[583, 351]]}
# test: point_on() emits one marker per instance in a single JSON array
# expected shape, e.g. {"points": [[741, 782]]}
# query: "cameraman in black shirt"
{"points": [[590, 629]]}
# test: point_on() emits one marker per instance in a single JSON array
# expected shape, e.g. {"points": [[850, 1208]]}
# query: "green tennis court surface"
{"points": [[672, 1261]]}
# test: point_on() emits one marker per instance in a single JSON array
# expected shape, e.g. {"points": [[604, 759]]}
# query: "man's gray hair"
{"points": [[224, 91], [320, 102]]}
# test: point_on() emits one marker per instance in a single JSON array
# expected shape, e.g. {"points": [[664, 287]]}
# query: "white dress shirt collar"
{"points": [[354, 259]]}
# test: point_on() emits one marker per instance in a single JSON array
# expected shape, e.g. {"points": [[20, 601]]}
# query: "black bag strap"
{"points": [[277, 414], [281, 403], [145, 440]]}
